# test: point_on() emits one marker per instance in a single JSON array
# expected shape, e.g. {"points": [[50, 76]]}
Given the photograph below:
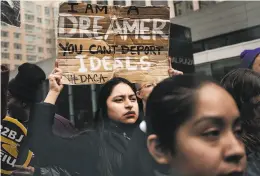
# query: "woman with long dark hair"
{"points": [[244, 86], [96, 152], [194, 126]]}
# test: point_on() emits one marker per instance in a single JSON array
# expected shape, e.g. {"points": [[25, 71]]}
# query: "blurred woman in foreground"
{"points": [[199, 129]]}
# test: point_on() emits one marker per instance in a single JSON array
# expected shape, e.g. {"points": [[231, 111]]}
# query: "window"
{"points": [[49, 50], [40, 38], [40, 49], [215, 43], [17, 46], [183, 7], [221, 67], [5, 44], [157, 2], [30, 48], [29, 28], [48, 40], [31, 58], [47, 22], [119, 2], [29, 18], [47, 11], [237, 37], [17, 35], [254, 33], [198, 46], [39, 10], [205, 4], [4, 33], [39, 20], [29, 38], [18, 57], [231, 38], [5, 55], [29, 6], [138, 3], [49, 31], [38, 29], [55, 12]]}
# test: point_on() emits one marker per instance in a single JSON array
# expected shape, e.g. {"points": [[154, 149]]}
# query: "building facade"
{"points": [[220, 32], [34, 41]]}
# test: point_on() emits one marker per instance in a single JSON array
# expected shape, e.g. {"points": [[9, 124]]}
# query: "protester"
{"points": [[4, 83], [21, 97], [192, 130], [22, 91], [251, 59], [144, 89], [137, 160], [89, 153], [117, 95], [244, 86]]}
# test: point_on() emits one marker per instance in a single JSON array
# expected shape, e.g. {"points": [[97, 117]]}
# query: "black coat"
{"points": [[91, 153], [253, 164], [137, 161]]}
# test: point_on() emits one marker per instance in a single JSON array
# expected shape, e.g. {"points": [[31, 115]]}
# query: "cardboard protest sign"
{"points": [[12, 137], [99, 42]]}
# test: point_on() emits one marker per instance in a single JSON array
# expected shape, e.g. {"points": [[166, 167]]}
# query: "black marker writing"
{"points": [[70, 48], [72, 7]]}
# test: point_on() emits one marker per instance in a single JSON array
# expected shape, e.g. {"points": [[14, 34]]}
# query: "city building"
{"points": [[34, 41], [220, 32]]}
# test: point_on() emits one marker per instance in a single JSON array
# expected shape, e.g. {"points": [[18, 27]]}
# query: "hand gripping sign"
{"points": [[12, 137]]}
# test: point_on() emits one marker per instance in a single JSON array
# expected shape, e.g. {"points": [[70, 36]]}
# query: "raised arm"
{"points": [[50, 149]]}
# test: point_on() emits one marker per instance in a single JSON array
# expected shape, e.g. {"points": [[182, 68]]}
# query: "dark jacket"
{"points": [[52, 171], [253, 164], [62, 127], [91, 153], [4, 85], [137, 161]]}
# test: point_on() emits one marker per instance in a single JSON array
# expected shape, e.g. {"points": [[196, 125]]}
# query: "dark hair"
{"points": [[4, 85], [172, 103], [244, 86], [105, 92], [105, 164], [250, 113]]}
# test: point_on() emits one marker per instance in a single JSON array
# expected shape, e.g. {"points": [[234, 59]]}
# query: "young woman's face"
{"points": [[209, 144], [122, 104]]}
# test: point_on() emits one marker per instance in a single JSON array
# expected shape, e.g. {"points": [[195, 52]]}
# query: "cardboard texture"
{"points": [[97, 43]]}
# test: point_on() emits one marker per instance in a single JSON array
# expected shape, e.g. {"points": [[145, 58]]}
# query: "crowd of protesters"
{"points": [[187, 125]]}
